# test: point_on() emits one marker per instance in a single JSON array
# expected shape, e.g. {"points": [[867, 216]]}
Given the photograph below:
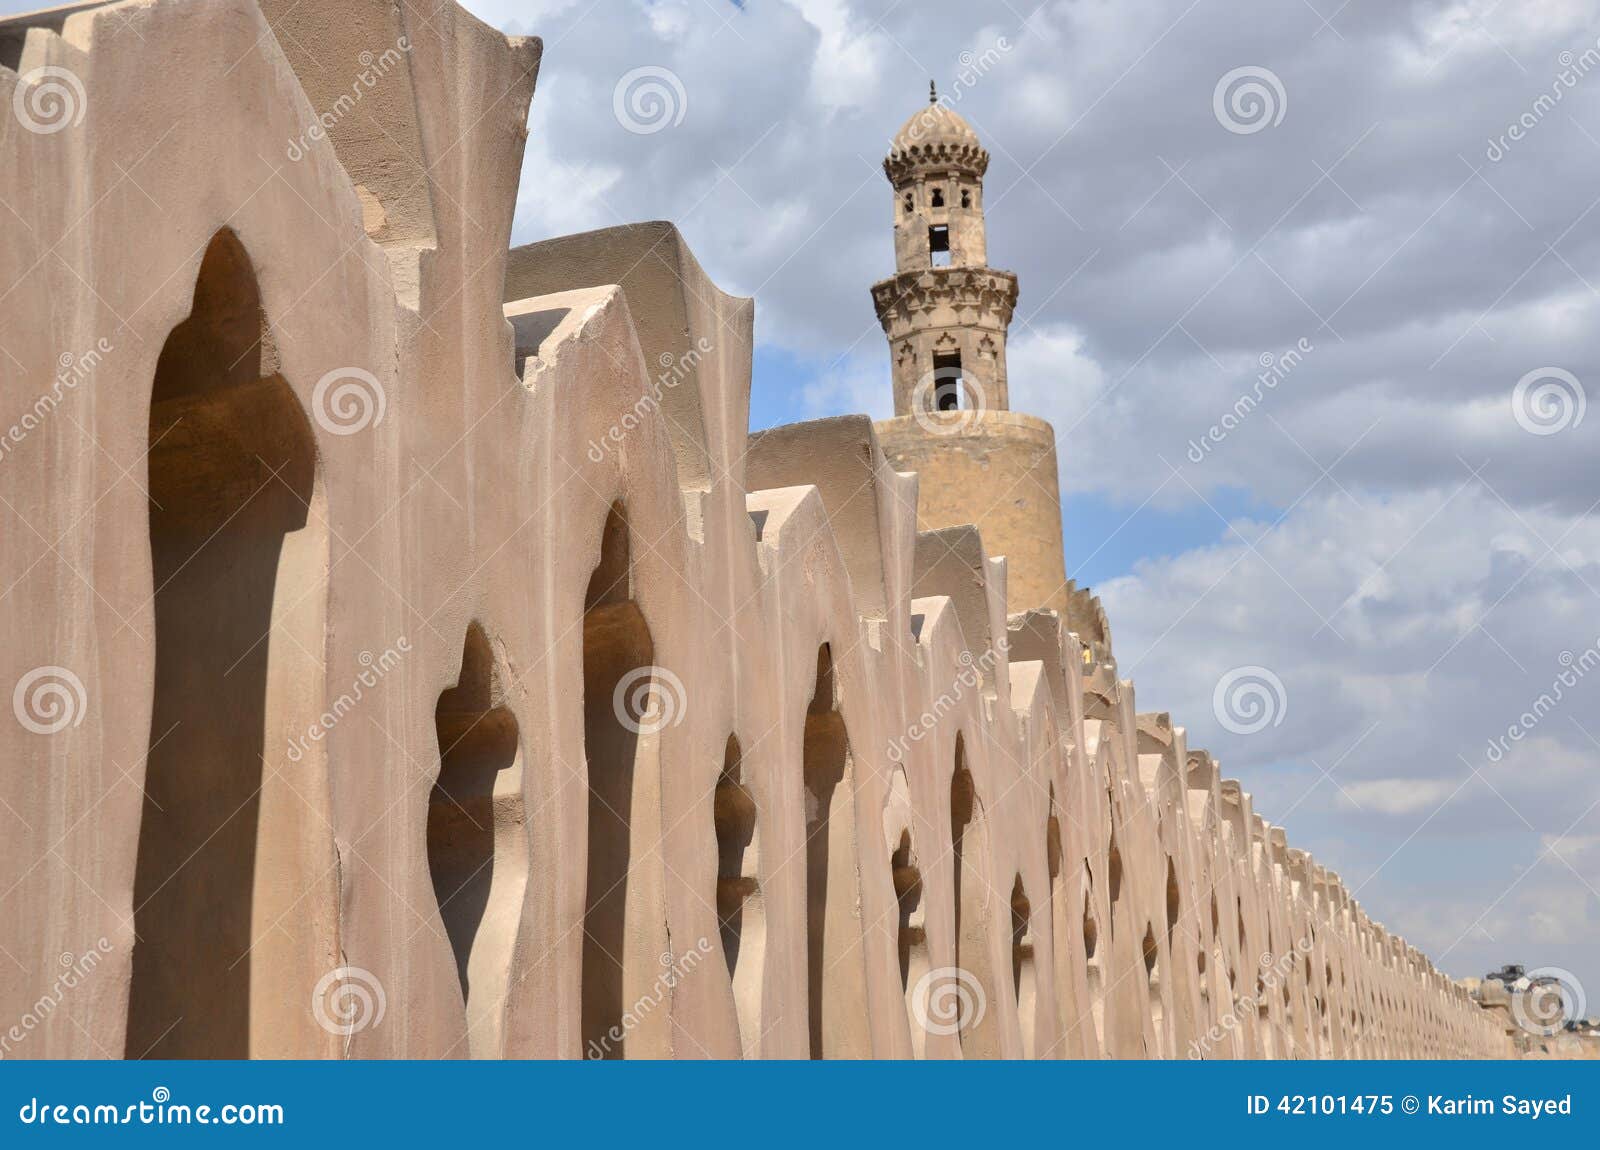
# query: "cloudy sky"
{"points": [[1404, 539]]}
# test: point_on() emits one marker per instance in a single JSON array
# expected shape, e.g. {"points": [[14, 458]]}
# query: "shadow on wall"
{"points": [[912, 934], [741, 914], [617, 646], [969, 849], [238, 544], [477, 845], [1023, 982], [830, 864]]}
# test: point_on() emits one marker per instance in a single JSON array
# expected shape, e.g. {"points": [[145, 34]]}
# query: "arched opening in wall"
{"points": [[1269, 1038], [1061, 923], [741, 915], [1152, 974], [1174, 912], [1216, 934], [1114, 880], [1354, 1034], [911, 934], [1127, 1031], [238, 548], [1322, 1003], [1289, 1020], [971, 890], [830, 862], [1174, 901], [948, 388], [1023, 983], [618, 670], [477, 845], [1094, 964], [911, 937]]}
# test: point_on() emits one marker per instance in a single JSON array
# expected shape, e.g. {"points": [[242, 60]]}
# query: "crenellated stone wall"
{"points": [[413, 656]]}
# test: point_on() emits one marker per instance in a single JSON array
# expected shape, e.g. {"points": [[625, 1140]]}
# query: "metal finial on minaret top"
{"points": [[933, 96]]}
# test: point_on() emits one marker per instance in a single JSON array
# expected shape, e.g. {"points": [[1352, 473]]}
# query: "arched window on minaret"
{"points": [[947, 389]]}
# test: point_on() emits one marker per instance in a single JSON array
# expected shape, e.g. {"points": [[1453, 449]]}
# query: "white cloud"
{"points": [[846, 65], [1573, 848], [1051, 374], [1398, 796]]}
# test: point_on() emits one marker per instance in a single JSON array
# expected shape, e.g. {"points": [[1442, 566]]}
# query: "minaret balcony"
{"points": [[908, 299]]}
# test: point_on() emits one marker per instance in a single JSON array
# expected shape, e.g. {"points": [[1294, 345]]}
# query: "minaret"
{"points": [[946, 313], [945, 310]]}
